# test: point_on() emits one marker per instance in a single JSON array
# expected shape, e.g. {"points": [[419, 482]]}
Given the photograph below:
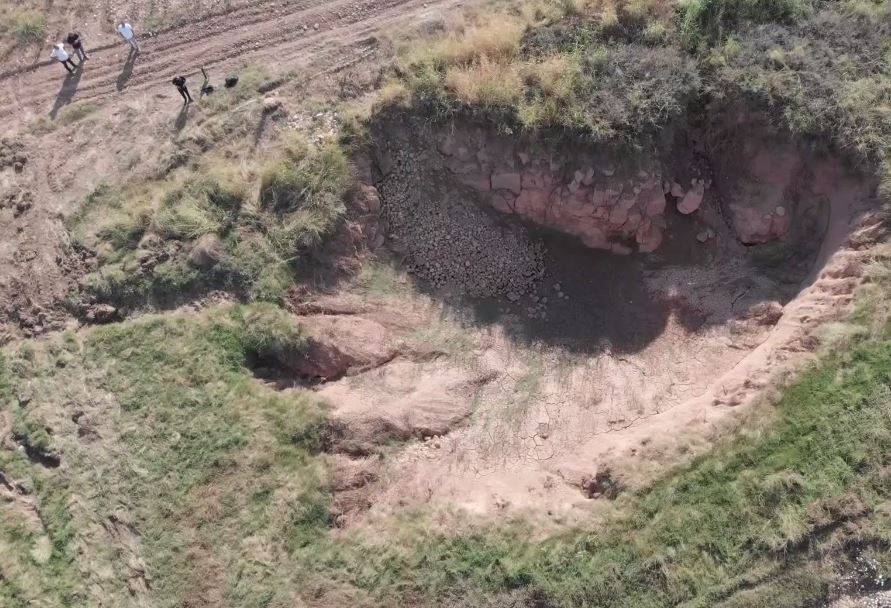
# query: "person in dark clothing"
{"points": [[61, 55], [180, 83], [77, 44]]}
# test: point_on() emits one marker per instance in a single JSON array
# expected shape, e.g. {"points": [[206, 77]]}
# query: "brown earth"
{"points": [[516, 365], [135, 129], [596, 366]]}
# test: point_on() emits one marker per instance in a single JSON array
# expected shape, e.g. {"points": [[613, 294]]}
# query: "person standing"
{"points": [[61, 55], [77, 44], [180, 83], [129, 36]]}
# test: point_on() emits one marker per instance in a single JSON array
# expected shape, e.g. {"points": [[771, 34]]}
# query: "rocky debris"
{"points": [[765, 186], [19, 200], [12, 154], [602, 485], [507, 181], [756, 228], [101, 313], [366, 199], [703, 236], [206, 252], [448, 241]]}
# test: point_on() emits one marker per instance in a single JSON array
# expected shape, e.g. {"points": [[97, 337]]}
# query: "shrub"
{"points": [[305, 178], [498, 40], [111, 216], [26, 26], [200, 206], [486, 84], [706, 22]]}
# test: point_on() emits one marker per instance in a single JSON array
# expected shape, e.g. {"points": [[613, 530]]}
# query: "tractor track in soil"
{"points": [[266, 32]]}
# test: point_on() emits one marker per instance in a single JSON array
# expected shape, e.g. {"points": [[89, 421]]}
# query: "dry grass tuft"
{"points": [[486, 83]]}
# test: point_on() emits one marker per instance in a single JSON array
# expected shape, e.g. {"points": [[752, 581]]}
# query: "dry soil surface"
{"points": [[135, 118]]}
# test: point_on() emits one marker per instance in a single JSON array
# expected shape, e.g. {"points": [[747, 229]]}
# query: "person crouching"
{"points": [[180, 83], [77, 43]]}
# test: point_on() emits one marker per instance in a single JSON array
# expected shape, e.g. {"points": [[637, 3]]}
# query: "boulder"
{"points": [[618, 215], [595, 238], [655, 206], [648, 237], [751, 226], [692, 199], [477, 181], [206, 252]]}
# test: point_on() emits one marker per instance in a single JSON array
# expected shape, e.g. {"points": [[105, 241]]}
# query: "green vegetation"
{"points": [[24, 26], [184, 480], [151, 244], [221, 481], [620, 71], [176, 463]]}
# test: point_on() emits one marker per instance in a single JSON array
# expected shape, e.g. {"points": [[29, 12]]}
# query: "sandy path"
{"points": [[281, 35]]}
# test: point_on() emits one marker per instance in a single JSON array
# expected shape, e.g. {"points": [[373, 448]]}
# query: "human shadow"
{"points": [[182, 118], [66, 93], [127, 70]]}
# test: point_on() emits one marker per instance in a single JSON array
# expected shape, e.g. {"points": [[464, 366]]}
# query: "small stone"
{"points": [[608, 171], [781, 211], [513, 296]]}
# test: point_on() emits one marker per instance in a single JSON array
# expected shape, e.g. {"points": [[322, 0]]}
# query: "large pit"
{"points": [[622, 302]]}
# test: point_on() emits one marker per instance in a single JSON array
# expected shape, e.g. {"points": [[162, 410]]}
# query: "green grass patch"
{"points": [[146, 241], [25, 26], [210, 472]]}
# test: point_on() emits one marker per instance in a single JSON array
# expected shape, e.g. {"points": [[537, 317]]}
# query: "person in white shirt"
{"points": [[126, 32], [61, 55]]}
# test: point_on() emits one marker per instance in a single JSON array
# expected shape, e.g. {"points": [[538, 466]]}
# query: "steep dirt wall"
{"points": [[736, 173]]}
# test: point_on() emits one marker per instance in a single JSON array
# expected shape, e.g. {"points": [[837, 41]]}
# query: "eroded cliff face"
{"points": [[734, 174]]}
